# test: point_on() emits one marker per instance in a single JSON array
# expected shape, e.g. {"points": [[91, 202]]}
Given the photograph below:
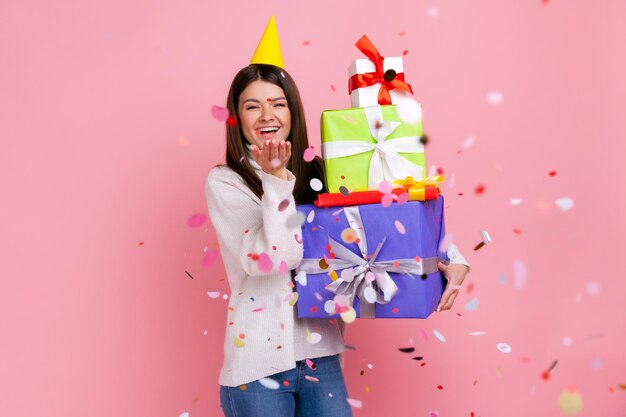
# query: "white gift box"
{"points": [[368, 96]]}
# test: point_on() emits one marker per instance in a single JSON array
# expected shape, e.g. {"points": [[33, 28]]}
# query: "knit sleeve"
{"points": [[258, 235]]}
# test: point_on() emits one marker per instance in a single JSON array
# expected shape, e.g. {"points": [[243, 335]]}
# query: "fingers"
{"points": [[282, 151], [447, 300], [273, 154], [288, 150], [442, 267]]}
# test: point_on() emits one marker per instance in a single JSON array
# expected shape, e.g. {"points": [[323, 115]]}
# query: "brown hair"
{"points": [[236, 151]]}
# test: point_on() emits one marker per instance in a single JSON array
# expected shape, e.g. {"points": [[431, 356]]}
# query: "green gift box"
{"points": [[364, 146]]}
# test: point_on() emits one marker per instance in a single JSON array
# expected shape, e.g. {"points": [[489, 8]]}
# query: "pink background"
{"points": [[107, 137]]}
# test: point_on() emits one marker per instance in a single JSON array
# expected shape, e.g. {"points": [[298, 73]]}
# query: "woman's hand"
{"points": [[455, 274], [273, 158]]}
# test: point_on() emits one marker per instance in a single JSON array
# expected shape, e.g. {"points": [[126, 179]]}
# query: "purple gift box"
{"points": [[384, 260]]}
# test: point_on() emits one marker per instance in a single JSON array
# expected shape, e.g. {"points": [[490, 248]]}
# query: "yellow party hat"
{"points": [[268, 50]]}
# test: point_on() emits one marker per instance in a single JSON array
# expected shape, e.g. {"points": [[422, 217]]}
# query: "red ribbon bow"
{"points": [[378, 76]]}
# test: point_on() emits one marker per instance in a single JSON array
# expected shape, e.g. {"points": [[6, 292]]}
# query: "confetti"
{"points": [[297, 238], [311, 378], [593, 288], [282, 267], [332, 88], [210, 257], [596, 364], [520, 274], [310, 364], [424, 334], [400, 227], [183, 141], [265, 263], [564, 203], [354, 403], [301, 278], [344, 190], [348, 316], [269, 383], [292, 298], [283, 205], [494, 97], [316, 184], [472, 305], [188, 274], [552, 173], [570, 402], [313, 338], [477, 333], [515, 201], [231, 121], [387, 200], [196, 220], [213, 294], [385, 187], [567, 341], [219, 113], [504, 348], [433, 12], [409, 110], [438, 335], [551, 367], [309, 154], [239, 343], [348, 235], [407, 349], [502, 279], [480, 189], [469, 142]]}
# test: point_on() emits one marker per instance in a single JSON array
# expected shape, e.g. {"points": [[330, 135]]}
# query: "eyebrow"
{"points": [[259, 101]]}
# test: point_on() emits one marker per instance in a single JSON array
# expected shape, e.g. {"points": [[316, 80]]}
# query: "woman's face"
{"points": [[263, 113]]}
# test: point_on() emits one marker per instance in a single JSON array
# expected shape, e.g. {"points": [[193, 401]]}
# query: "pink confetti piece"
{"points": [[265, 263], [354, 403], [386, 200], [385, 187], [196, 220], [403, 198], [298, 238], [219, 113], [210, 257], [400, 227], [309, 154], [469, 142], [258, 309], [520, 274], [213, 294], [310, 364], [311, 378], [424, 334], [283, 267]]}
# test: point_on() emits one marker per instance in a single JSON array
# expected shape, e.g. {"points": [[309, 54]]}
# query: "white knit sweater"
{"points": [[263, 334]]}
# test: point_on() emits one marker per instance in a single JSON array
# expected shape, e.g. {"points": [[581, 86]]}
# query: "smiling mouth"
{"points": [[267, 132]]}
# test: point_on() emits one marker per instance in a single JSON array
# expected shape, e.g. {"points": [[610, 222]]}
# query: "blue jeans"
{"points": [[298, 397]]}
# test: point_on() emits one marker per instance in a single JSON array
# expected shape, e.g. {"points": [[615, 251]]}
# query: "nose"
{"points": [[267, 112]]}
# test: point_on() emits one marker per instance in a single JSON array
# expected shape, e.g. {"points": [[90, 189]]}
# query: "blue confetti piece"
{"points": [[472, 304], [502, 278]]}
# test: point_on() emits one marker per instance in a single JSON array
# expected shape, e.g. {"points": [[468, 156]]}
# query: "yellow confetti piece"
{"points": [[348, 316], [499, 370], [239, 343], [333, 275], [243, 387], [293, 299], [570, 402], [348, 235]]}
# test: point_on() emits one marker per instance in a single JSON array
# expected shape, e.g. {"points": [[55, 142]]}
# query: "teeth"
{"points": [[269, 129]]}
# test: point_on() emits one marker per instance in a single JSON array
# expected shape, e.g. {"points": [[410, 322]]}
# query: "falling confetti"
{"points": [[313, 338], [438, 335], [183, 141], [311, 378], [433, 12], [219, 113], [407, 349], [400, 227], [472, 304], [239, 343], [210, 257], [477, 333], [316, 184], [503, 347], [469, 142], [310, 364], [348, 316], [309, 154], [494, 97], [354, 403], [564, 203], [593, 288], [502, 279], [515, 201], [213, 294], [348, 235], [269, 383], [265, 263], [196, 220], [570, 402], [301, 278], [385, 187], [344, 191], [567, 341], [386, 200], [520, 274], [409, 110], [480, 189]]}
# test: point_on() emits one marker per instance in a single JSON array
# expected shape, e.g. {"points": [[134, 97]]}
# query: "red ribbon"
{"points": [[378, 76]]}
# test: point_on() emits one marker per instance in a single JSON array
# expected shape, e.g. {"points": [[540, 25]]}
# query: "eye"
{"points": [[280, 105], [251, 107]]}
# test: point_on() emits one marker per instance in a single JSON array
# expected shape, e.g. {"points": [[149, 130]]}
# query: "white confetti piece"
{"points": [[494, 97], [311, 216], [301, 278], [314, 338], [596, 364], [451, 181], [515, 201], [400, 227], [472, 305], [269, 383], [184, 414], [213, 294], [593, 288], [520, 274], [354, 403], [329, 307], [409, 110], [316, 184], [564, 203], [225, 296], [469, 142], [477, 333], [348, 316], [433, 12], [567, 341], [504, 348], [438, 335], [370, 366]]}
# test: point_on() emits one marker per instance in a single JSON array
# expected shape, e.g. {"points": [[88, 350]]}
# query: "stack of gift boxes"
{"points": [[371, 244]]}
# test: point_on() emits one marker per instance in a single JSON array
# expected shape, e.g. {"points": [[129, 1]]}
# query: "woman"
{"points": [[252, 205]]}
